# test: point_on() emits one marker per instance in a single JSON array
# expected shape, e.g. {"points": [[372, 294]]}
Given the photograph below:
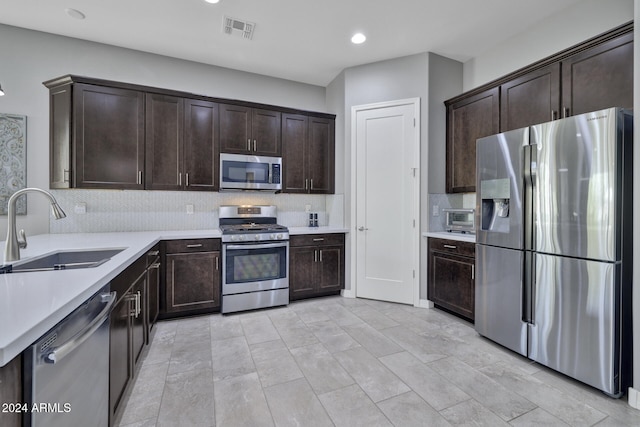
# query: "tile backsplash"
{"points": [[123, 210]]}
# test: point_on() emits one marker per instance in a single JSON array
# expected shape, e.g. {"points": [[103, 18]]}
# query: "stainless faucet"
{"points": [[13, 244]]}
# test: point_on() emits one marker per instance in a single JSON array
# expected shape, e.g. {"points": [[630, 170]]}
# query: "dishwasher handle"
{"points": [[60, 352]]}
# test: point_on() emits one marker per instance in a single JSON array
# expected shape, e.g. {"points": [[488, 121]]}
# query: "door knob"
{"points": [[361, 228]]}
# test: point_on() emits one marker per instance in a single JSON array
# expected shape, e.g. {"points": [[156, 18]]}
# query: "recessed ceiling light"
{"points": [[358, 38], [75, 13], [212, 1]]}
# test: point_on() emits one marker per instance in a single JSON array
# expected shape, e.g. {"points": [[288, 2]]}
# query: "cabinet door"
{"points": [[109, 137], [468, 120], [11, 391], [235, 129], [201, 149], [598, 78], [321, 155], [265, 132], [138, 312], [530, 99], [302, 271], [164, 122], [451, 283], [331, 268], [192, 281], [294, 152], [60, 137], [120, 369]]}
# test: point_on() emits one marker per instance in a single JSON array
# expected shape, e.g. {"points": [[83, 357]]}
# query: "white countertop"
{"points": [[34, 302], [451, 236]]}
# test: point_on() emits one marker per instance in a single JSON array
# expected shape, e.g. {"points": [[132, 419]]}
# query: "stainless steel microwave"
{"points": [[245, 172]]}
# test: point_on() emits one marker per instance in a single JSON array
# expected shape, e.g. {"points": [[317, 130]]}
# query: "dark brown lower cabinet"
{"points": [[316, 265], [11, 391], [451, 283], [153, 288], [192, 276], [128, 331]]}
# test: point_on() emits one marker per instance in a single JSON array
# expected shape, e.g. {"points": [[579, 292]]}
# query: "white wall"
{"points": [[563, 30], [30, 57]]}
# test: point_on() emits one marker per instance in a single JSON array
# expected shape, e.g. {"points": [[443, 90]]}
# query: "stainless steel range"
{"points": [[255, 258]]}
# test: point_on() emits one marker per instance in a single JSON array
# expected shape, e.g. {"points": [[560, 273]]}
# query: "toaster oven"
{"points": [[460, 220]]}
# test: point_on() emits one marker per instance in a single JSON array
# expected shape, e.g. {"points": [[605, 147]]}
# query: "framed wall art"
{"points": [[13, 160]]}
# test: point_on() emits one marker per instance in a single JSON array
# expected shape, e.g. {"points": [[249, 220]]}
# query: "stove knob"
{"points": [[241, 237], [257, 237], [234, 238], [273, 237], [279, 236]]}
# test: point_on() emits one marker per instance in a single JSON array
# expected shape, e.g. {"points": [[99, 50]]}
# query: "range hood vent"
{"points": [[237, 27]]}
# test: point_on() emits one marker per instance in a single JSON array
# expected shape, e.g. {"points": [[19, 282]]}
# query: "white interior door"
{"points": [[387, 203]]}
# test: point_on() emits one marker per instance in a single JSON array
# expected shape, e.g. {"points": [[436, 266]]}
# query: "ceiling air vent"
{"points": [[236, 27]]}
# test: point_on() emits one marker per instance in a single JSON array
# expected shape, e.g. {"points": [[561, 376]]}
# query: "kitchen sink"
{"points": [[63, 260]]}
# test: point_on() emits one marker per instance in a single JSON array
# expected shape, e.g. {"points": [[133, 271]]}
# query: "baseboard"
{"points": [[425, 303], [634, 398], [347, 293]]}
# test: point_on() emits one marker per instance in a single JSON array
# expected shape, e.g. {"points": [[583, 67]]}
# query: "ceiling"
{"points": [[301, 40]]}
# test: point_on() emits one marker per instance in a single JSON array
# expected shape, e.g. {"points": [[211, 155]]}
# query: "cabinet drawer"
{"points": [[453, 246], [192, 245], [316, 239]]}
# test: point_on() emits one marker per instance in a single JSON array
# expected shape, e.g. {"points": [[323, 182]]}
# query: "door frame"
{"points": [[355, 109]]}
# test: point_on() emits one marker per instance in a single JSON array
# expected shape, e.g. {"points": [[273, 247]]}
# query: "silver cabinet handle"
{"points": [[554, 115], [217, 263], [139, 177], [153, 253], [248, 145], [320, 255], [306, 184], [565, 112], [361, 228], [311, 184], [195, 245], [473, 272], [138, 303], [180, 179], [60, 352], [186, 175], [155, 265], [319, 239], [450, 246], [315, 256], [65, 175], [254, 145]]}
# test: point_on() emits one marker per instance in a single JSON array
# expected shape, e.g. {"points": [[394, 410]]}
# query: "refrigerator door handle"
{"points": [[530, 177], [528, 288]]}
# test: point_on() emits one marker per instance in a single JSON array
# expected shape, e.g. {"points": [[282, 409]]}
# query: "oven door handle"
{"points": [[259, 246]]}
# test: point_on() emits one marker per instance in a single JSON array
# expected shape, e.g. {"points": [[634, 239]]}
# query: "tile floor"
{"points": [[349, 362]]}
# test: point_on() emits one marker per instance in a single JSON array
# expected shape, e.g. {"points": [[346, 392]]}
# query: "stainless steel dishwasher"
{"points": [[66, 372]]}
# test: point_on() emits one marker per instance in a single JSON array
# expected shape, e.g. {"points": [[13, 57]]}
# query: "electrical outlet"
{"points": [[80, 208], [307, 208], [190, 209], [436, 210]]}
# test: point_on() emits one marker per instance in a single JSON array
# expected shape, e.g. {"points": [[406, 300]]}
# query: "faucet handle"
{"points": [[22, 239]]}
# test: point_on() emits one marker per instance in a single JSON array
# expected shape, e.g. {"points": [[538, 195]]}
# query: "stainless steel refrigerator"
{"points": [[554, 241]]}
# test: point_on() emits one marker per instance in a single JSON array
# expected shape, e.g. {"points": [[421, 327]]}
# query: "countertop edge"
{"points": [[450, 236]]}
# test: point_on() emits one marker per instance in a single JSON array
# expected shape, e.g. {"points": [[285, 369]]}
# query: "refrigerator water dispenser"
{"points": [[495, 195]]}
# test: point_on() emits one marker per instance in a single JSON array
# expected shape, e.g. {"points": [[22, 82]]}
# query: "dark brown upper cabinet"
{"points": [[181, 143], [530, 99], [308, 154], [114, 135], [245, 130], [599, 77], [467, 120], [591, 76], [96, 137]]}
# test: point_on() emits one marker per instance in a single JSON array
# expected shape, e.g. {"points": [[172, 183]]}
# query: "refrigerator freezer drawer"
{"points": [[576, 324], [499, 297]]}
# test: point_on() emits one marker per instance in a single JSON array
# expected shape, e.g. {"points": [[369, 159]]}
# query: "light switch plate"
{"points": [[80, 208], [190, 209]]}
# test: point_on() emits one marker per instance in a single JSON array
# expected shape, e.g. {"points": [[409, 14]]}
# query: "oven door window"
{"points": [[251, 172], [254, 265]]}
